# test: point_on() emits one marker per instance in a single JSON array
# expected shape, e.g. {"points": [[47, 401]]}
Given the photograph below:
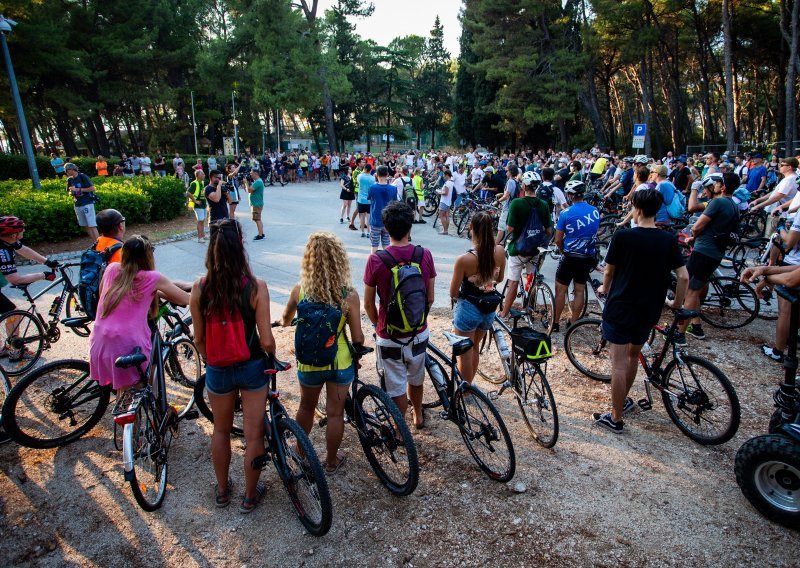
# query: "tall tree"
{"points": [[436, 81]]}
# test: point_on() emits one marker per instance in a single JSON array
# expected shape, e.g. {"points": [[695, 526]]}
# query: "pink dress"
{"points": [[124, 328]]}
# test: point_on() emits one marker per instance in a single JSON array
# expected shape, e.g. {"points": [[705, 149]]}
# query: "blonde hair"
{"points": [[325, 270]]}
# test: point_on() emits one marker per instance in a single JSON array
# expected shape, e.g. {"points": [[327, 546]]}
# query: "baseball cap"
{"points": [[791, 161], [71, 166], [682, 158], [757, 155]]}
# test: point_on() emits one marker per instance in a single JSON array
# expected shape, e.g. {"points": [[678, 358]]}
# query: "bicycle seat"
{"points": [[459, 344], [132, 359], [515, 314], [360, 350], [20, 286], [274, 365], [789, 294], [82, 321], [686, 314]]}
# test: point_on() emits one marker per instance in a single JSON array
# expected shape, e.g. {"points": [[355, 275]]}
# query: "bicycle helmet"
{"points": [[711, 179], [575, 186], [483, 163], [10, 225], [640, 159], [531, 177], [488, 169], [627, 160]]}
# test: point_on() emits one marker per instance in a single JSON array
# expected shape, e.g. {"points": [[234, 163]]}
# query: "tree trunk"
{"points": [[791, 34], [612, 130], [65, 133], [644, 81], [100, 131], [327, 103], [730, 123], [705, 101], [588, 99], [433, 137]]}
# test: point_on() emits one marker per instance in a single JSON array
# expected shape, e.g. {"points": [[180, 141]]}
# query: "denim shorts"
{"points": [[468, 318], [314, 379], [247, 376]]}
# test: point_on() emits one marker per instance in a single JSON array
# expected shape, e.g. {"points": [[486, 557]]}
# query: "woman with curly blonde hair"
{"points": [[325, 278]]}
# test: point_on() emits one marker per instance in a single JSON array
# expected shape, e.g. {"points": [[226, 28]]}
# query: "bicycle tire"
{"points": [[18, 336], [142, 444], [535, 395], [587, 350], [306, 470], [428, 400], [492, 361], [39, 402], [474, 411], [539, 307], [75, 309], [377, 432], [767, 469], [748, 254], [431, 205], [203, 405], [184, 363], [5, 388], [752, 225], [730, 304], [463, 222], [697, 397]]}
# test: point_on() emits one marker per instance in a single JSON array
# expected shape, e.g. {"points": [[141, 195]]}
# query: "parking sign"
{"points": [[639, 132]]}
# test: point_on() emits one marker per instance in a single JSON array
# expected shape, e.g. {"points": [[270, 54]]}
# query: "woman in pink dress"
{"points": [[128, 294]]}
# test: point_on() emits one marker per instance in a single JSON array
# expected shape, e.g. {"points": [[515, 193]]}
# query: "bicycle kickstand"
{"points": [[494, 395]]}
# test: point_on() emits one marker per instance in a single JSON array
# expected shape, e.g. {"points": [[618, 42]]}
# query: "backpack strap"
{"points": [[109, 252], [418, 255], [391, 262]]}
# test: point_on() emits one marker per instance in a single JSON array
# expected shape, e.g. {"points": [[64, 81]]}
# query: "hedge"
{"points": [[15, 166], [49, 213]]}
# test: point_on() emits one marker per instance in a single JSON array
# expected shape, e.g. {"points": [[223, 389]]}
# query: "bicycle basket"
{"points": [[532, 345]]}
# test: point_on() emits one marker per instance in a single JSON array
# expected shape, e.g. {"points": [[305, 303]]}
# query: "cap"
{"points": [[682, 158], [71, 166], [757, 155]]}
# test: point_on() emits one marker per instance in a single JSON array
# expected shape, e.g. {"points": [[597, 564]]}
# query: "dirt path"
{"points": [[648, 497]]}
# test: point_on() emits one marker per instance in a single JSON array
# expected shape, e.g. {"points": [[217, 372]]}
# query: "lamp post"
{"points": [[235, 124], [5, 29], [194, 126], [263, 135]]}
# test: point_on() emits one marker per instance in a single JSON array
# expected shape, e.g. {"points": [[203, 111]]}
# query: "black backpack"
{"points": [[93, 265], [533, 235]]}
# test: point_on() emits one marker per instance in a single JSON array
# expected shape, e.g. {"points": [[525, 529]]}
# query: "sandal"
{"points": [[223, 499], [248, 505], [340, 459]]}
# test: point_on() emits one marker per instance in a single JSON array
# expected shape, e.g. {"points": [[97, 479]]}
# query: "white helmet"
{"points": [[575, 186], [640, 159], [531, 177]]}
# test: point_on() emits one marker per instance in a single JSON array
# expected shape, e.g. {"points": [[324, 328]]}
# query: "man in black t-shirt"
{"points": [[217, 197], [81, 188], [637, 275]]}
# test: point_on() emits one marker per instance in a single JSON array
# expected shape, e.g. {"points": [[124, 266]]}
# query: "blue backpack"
{"points": [[533, 234], [317, 333], [93, 265]]}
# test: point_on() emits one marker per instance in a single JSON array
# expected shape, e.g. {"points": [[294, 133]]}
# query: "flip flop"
{"points": [[223, 499], [248, 505], [339, 463]]}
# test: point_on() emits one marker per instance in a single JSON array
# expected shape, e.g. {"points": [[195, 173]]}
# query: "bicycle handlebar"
{"points": [[792, 295]]}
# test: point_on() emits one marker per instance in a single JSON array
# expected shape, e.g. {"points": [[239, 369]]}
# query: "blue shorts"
{"points": [[622, 335], [378, 236], [314, 379], [247, 376], [468, 318]]}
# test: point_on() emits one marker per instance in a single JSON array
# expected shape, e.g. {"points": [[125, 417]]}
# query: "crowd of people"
{"points": [[540, 198]]}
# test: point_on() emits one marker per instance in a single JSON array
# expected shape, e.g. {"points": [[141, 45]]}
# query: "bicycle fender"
{"points": [[127, 454]]}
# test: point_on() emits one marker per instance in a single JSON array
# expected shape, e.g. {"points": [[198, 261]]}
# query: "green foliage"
{"points": [[49, 213]]}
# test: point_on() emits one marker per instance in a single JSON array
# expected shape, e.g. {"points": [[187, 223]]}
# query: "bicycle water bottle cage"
{"points": [[460, 345], [530, 344]]}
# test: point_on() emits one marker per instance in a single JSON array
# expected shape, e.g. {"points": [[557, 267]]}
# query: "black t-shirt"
{"points": [[561, 183], [8, 265], [218, 210], [681, 178], [126, 166], [81, 182], [642, 259]]}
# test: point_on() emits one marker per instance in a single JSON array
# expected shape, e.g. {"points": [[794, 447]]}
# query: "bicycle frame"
{"points": [[68, 287]]}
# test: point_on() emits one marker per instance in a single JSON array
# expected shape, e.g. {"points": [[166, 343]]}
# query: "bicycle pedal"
{"points": [[323, 422], [494, 395], [191, 415], [444, 415], [645, 404], [261, 461]]}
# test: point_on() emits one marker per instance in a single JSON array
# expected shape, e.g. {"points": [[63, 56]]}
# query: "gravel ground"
{"points": [[595, 499]]}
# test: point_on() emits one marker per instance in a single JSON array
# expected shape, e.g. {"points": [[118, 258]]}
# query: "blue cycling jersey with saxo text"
{"points": [[579, 224]]}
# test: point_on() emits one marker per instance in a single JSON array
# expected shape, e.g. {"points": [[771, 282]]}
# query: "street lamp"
{"points": [[263, 135], [5, 29]]}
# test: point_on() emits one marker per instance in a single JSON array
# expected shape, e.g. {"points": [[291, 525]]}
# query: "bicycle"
{"points": [[480, 424], [5, 387], [58, 403], [728, 304], [693, 402], [524, 371], [538, 301], [26, 333], [382, 432]]}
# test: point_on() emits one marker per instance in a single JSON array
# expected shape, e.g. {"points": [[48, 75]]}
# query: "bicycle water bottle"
{"points": [[55, 306], [501, 344], [435, 372]]}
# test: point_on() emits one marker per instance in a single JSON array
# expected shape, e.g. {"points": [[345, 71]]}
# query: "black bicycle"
{"points": [[697, 395], [481, 426], [24, 334], [382, 431]]}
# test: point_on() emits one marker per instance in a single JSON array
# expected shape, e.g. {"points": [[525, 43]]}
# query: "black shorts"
{"points": [[700, 268], [574, 268], [6, 305], [363, 207]]}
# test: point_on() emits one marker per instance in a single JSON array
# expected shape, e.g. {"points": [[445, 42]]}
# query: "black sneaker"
{"points": [[606, 421], [696, 330], [679, 339], [556, 328], [422, 221], [258, 237], [628, 406], [772, 353]]}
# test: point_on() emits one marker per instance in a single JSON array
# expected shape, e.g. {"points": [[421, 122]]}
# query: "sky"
{"points": [[394, 18]]}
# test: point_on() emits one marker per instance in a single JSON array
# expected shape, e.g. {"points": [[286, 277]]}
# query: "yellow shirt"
{"points": [[599, 166]]}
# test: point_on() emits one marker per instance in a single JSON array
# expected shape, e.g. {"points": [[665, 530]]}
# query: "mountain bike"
{"points": [[697, 395], [728, 304], [538, 301], [382, 431], [26, 333], [523, 369], [5, 387], [481, 426], [767, 467], [58, 403]]}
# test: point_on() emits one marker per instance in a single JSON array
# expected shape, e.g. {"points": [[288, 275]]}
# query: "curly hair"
{"points": [[325, 270]]}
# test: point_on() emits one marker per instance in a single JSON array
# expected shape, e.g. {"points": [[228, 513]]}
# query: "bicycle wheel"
{"points": [[767, 470], [587, 350], [462, 224], [431, 205], [74, 309], [184, 363], [606, 229], [729, 304], [494, 366], [539, 307], [536, 402], [144, 454], [700, 400], [54, 405], [485, 433], [22, 340], [5, 387], [752, 225], [748, 254], [386, 440], [436, 373], [204, 406], [303, 478]]}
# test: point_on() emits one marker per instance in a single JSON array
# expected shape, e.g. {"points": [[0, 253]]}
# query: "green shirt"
{"points": [[257, 194], [518, 213]]}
